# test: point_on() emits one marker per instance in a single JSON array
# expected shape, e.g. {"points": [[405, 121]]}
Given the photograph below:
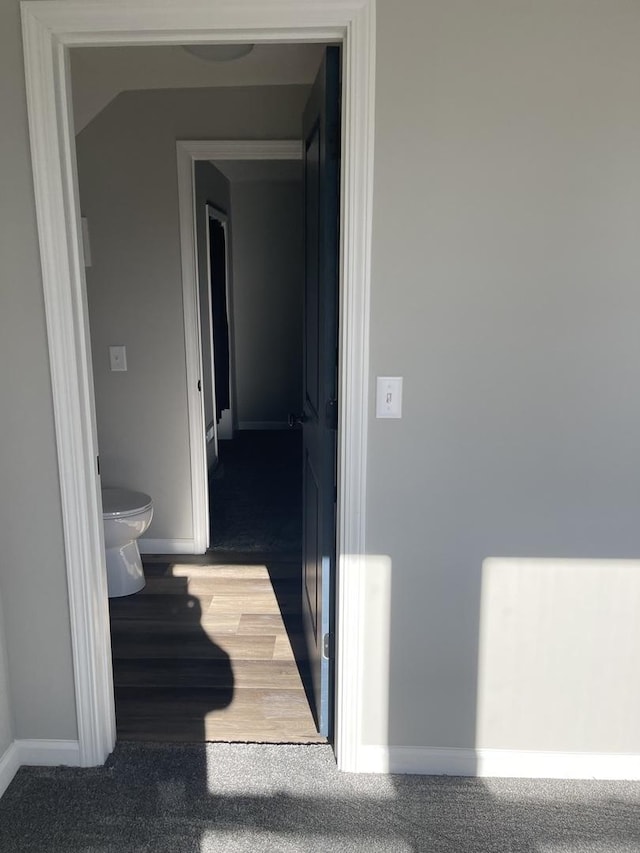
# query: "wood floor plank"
{"points": [[194, 731], [250, 716], [255, 569], [170, 607], [255, 704], [218, 623], [261, 623], [182, 673], [163, 584], [217, 585], [257, 572], [258, 603], [184, 644], [282, 650]]}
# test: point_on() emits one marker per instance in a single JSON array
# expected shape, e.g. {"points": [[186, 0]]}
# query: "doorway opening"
{"points": [[50, 30], [254, 569], [255, 484]]}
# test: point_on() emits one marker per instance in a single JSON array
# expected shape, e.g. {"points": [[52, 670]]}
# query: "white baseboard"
{"points": [[263, 425], [48, 753], [37, 753], [166, 546], [498, 763], [9, 766]]}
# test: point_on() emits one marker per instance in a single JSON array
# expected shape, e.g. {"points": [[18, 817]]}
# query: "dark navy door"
{"points": [[322, 180]]}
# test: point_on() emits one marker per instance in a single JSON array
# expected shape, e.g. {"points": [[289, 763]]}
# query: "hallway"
{"points": [[255, 494]]}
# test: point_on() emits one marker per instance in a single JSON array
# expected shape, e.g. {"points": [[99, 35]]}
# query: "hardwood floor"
{"points": [[203, 652]]}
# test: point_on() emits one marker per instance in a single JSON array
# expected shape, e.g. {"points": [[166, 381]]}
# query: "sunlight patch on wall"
{"points": [[376, 600], [558, 649]]}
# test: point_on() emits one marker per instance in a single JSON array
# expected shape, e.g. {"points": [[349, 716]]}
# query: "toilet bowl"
{"points": [[126, 515]]}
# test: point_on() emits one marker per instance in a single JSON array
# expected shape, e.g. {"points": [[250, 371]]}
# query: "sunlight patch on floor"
{"points": [[245, 839]]}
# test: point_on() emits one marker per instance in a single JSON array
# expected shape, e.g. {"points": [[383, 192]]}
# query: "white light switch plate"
{"points": [[389, 397], [118, 358]]}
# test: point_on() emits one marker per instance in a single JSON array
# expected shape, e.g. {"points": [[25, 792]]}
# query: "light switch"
{"points": [[118, 358], [389, 397]]}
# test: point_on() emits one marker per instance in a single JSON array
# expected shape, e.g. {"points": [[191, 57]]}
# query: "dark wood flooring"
{"points": [[206, 652]]}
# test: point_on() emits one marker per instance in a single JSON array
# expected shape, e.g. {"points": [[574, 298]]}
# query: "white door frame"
{"points": [[212, 213], [50, 27], [188, 154]]}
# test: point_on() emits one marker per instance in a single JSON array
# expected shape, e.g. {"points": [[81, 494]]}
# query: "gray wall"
{"points": [[6, 725], [268, 267], [211, 187], [32, 567], [128, 192], [505, 291], [505, 270]]}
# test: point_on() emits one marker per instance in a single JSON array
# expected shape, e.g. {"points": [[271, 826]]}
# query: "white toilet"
{"points": [[126, 515]]}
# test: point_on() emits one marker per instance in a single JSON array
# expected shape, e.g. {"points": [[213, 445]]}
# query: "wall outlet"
{"points": [[389, 397], [118, 358]]}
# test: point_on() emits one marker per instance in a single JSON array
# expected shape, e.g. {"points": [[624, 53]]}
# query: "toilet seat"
{"points": [[120, 503]]}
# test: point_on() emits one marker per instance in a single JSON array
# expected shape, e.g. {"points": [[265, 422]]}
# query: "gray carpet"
{"points": [[255, 496], [238, 798]]}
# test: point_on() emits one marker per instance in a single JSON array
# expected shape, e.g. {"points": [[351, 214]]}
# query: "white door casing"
{"points": [[188, 153], [50, 27], [212, 213]]}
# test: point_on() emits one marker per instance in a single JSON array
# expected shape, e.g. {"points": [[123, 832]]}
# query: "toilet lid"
{"points": [[123, 502]]}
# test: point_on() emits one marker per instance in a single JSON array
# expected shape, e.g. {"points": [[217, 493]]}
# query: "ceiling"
{"points": [[99, 74], [260, 170]]}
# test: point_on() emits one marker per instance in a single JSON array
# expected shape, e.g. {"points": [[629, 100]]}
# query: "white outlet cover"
{"points": [[389, 397], [118, 357]]}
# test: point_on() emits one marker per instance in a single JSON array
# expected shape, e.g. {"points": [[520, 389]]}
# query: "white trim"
{"points": [[189, 152], [218, 216], [9, 766], [48, 753], [37, 753], [224, 429], [167, 546], [55, 189], [247, 149], [51, 26], [498, 763], [249, 425], [193, 349], [358, 74]]}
